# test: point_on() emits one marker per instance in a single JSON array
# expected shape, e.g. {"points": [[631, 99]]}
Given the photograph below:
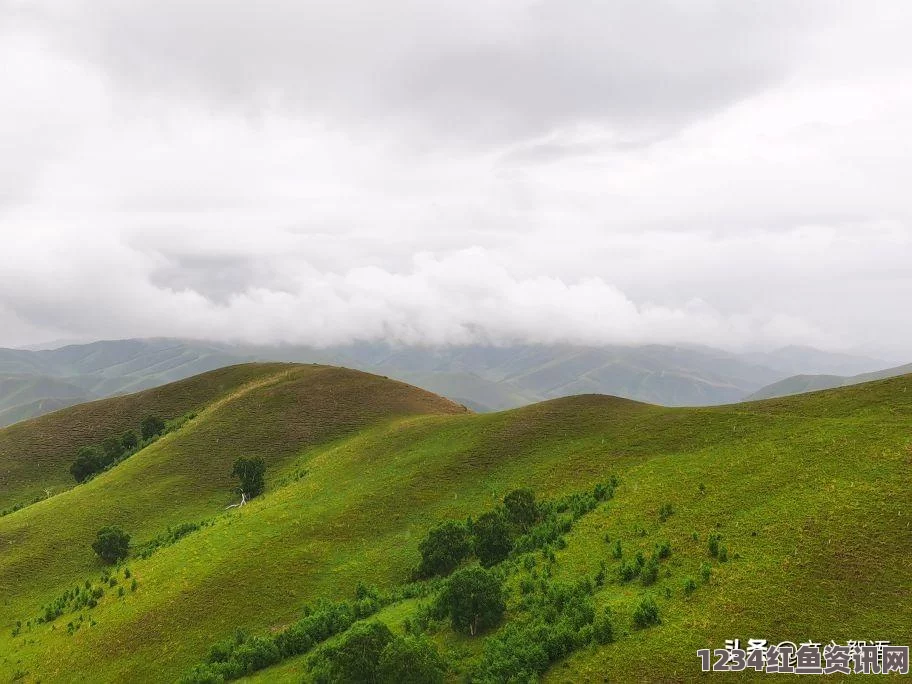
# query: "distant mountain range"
{"points": [[484, 378], [798, 384]]}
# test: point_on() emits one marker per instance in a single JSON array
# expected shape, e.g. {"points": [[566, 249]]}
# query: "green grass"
{"points": [[37, 454], [809, 493]]}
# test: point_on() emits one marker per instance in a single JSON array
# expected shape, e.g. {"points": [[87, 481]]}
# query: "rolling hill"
{"points": [[799, 384], [809, 495]]}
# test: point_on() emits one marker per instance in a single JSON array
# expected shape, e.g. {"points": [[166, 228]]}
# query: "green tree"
{"points": [[411, 660], [444, 548], [129, 440], [112, 448], [492, 538], [111, 544], [151, 426], [356, 656], [88, 462], [520, 508], [473, 598], [250, 472]]}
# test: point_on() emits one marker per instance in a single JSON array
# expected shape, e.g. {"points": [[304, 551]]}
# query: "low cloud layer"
{"points": [[537, 172]]}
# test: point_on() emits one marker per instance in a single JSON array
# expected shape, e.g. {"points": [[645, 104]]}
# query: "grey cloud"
{"points": [[710, 172], [502, 70]]}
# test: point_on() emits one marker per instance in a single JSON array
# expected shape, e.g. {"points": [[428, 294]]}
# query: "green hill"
{"points": [[799, 384], [808, 493]]}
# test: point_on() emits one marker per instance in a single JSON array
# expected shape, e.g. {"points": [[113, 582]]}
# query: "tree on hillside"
{"points": [[88, 462], [250, 472], [444, 548], [112, 448], [473, 598], [129, 440], [356, 656], [151, 426], [111, 544], [520, 508], [411, 660], [492, 538]]}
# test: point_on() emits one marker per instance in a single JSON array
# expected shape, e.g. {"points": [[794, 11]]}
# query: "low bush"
{"points": [[603, 628], [649, 574], [715, 540], [646, 613], [705, 572], [690, 586]]}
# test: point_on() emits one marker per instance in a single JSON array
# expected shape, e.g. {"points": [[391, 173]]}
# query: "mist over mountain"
{"points": [[484, 378]]}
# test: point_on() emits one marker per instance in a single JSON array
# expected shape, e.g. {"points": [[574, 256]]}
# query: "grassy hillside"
{"points": [[809, 494], [37, 454]]}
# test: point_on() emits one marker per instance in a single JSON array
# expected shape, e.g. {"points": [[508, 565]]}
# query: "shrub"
{"points": [[88, 462], [327, 620], [473, 599], [250, 472], [356, 656], [111, 544], [603, 628], [705, 572], [151, 426], [646, 613], [492, 538], [600, 575], [112, 449], [617, 552], [443, 549], [518, 653], [714, 539], [665, 511], [650, 572], [663, 550], [723, 554], [410, 660], [129, 440], [520, 509], [628, 571], [690, 586]]}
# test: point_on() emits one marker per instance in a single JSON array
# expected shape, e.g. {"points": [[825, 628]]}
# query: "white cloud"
{"points": [[668, 172]]}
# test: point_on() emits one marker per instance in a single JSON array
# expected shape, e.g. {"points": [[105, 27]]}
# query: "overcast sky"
{"points": [[736, 174]]}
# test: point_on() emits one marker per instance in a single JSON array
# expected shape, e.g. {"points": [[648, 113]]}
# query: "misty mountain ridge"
{"points": [[482, 377]]}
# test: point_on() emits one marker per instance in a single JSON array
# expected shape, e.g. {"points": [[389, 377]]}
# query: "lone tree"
{"points": [[473, 598], [250, 472], [88, 462], [520, 508], [444, 548], [151, 426], [111, 544], [492, 538]]}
